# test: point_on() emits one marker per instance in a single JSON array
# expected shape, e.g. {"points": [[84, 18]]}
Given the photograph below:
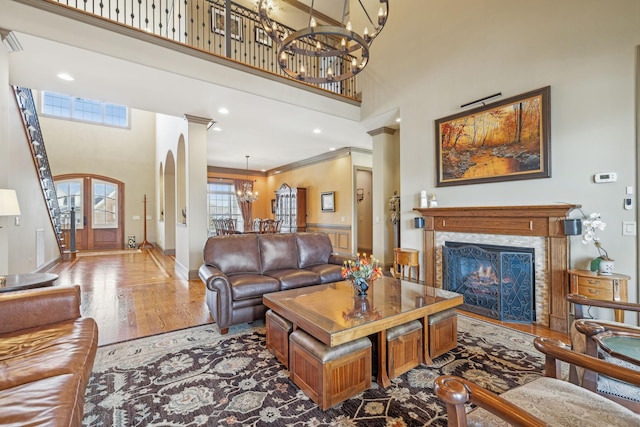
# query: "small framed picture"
{"points": [[327, 202], [263, 38], [218, 21], [273, 206]]}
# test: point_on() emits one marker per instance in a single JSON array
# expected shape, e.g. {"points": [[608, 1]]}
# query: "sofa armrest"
{"points": [[216, 281], [38, 307]]}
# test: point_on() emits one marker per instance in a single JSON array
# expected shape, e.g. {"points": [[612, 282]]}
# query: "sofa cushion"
{"points": [[47, 351], [246, 286], [313, 249], [291, 278], [233, 254], [278, 251], [328, 273], [53, 401]]}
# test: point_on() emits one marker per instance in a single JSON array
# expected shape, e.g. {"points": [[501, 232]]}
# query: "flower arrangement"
{"points": [[590, 226], [360, 271]]}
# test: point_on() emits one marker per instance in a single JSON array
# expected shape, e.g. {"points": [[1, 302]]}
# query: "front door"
{"points": [[97, 202]]}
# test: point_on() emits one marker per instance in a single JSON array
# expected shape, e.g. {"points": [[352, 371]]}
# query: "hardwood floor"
{"points": [[132, 294]]}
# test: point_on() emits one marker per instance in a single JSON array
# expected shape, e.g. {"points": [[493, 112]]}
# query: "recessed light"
{"points": [[65, 76], [398, 120], [263, 170], [216, 128], [332, 149], [223, 110], [317, 131]]}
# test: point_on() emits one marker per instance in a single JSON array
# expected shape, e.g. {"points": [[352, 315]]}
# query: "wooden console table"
{"points": [[593, 285], [537, 220]]}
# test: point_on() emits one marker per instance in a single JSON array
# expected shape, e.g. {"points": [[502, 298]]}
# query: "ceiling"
{"points": [[275, 128]]}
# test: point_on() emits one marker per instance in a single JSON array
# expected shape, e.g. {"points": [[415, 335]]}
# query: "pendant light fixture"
{"points": [[324, 53], [246, 194]]}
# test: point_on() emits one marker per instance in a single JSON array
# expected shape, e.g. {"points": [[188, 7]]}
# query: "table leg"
{"points": [[619, 315], [426, 359], [383, 373]]}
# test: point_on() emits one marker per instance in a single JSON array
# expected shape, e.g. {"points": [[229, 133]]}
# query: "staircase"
{"points": [[26, 105]]}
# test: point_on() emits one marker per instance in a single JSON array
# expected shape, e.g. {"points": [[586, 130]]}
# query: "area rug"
{"points": [[196, 377]]}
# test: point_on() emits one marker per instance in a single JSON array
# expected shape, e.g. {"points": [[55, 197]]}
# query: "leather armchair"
{"points": [[545, 401], [47, 351]]}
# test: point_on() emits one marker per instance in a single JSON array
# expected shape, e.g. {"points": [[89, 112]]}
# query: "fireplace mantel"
{"points": [[530, 220]]}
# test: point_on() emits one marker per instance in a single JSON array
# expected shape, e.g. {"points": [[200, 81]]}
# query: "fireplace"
{"points": [[495, 281], [537, 226]]}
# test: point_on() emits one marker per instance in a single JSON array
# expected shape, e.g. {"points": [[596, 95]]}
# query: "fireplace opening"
{"points": [[495, 281]]}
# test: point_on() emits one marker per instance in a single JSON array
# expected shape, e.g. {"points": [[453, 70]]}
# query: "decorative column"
{"points": [[385, 180], [196, 223]]}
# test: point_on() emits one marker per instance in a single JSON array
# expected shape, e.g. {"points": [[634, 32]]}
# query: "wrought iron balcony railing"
{"points": [[201, 25]]}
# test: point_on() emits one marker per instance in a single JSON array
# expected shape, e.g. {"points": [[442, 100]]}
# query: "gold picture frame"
{"points": [[328, 201], [502, 141]]}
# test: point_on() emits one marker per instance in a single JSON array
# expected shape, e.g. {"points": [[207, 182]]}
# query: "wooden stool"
{"points": [[329, 375], [404, 347], [443, 332], [278, 330], [405, 258]]}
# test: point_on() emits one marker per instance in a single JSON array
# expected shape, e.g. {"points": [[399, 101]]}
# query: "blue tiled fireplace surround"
{"points": [[495, 281]]}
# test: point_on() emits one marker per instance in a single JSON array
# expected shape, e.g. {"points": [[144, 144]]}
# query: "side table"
{"points": [[18, 282], [403, 257], [593, 285]]}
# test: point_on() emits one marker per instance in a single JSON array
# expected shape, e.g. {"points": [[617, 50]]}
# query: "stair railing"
{"points": [[27, 107]]}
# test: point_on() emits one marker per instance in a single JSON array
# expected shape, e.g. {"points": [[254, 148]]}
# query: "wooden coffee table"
{"points": [[334, 315]]}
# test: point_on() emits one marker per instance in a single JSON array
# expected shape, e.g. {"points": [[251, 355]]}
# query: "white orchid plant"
{"points": [[590, 225]]}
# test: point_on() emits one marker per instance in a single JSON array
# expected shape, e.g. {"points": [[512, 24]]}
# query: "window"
{"points": [[85, 110], [105, 205], [222, 204], [69, 193]]}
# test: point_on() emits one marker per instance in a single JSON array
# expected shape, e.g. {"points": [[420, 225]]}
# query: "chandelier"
{"points": [[246, 194], [323, 53]]}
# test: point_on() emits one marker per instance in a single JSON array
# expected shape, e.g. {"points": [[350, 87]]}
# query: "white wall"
{"points": [[124, 154], [190, 237], [18, 242], [435, 56]]}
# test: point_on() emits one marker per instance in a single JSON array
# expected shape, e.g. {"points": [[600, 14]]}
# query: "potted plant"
{"points": [[591, 224]]}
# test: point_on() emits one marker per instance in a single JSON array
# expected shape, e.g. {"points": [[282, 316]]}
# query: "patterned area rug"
{"points": [[198, 377]]}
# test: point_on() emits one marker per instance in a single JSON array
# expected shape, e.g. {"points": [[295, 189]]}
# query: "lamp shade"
{"points": [[9, 203]]}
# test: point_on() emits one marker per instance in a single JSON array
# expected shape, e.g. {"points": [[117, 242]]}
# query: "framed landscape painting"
{"points": [[502, 141]]}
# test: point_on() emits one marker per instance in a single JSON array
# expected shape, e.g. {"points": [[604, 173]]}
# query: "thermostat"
{"points": [[605, 177]]}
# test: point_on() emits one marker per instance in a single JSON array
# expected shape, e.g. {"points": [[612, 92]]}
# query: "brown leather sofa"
{"points": [[46, 357], [239, 269]]}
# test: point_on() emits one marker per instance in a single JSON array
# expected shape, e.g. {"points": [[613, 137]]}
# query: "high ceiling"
{"points": [[275, 128]]}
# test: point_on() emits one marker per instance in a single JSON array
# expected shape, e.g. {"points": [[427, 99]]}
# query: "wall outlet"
{"points": [[17, 220]]}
